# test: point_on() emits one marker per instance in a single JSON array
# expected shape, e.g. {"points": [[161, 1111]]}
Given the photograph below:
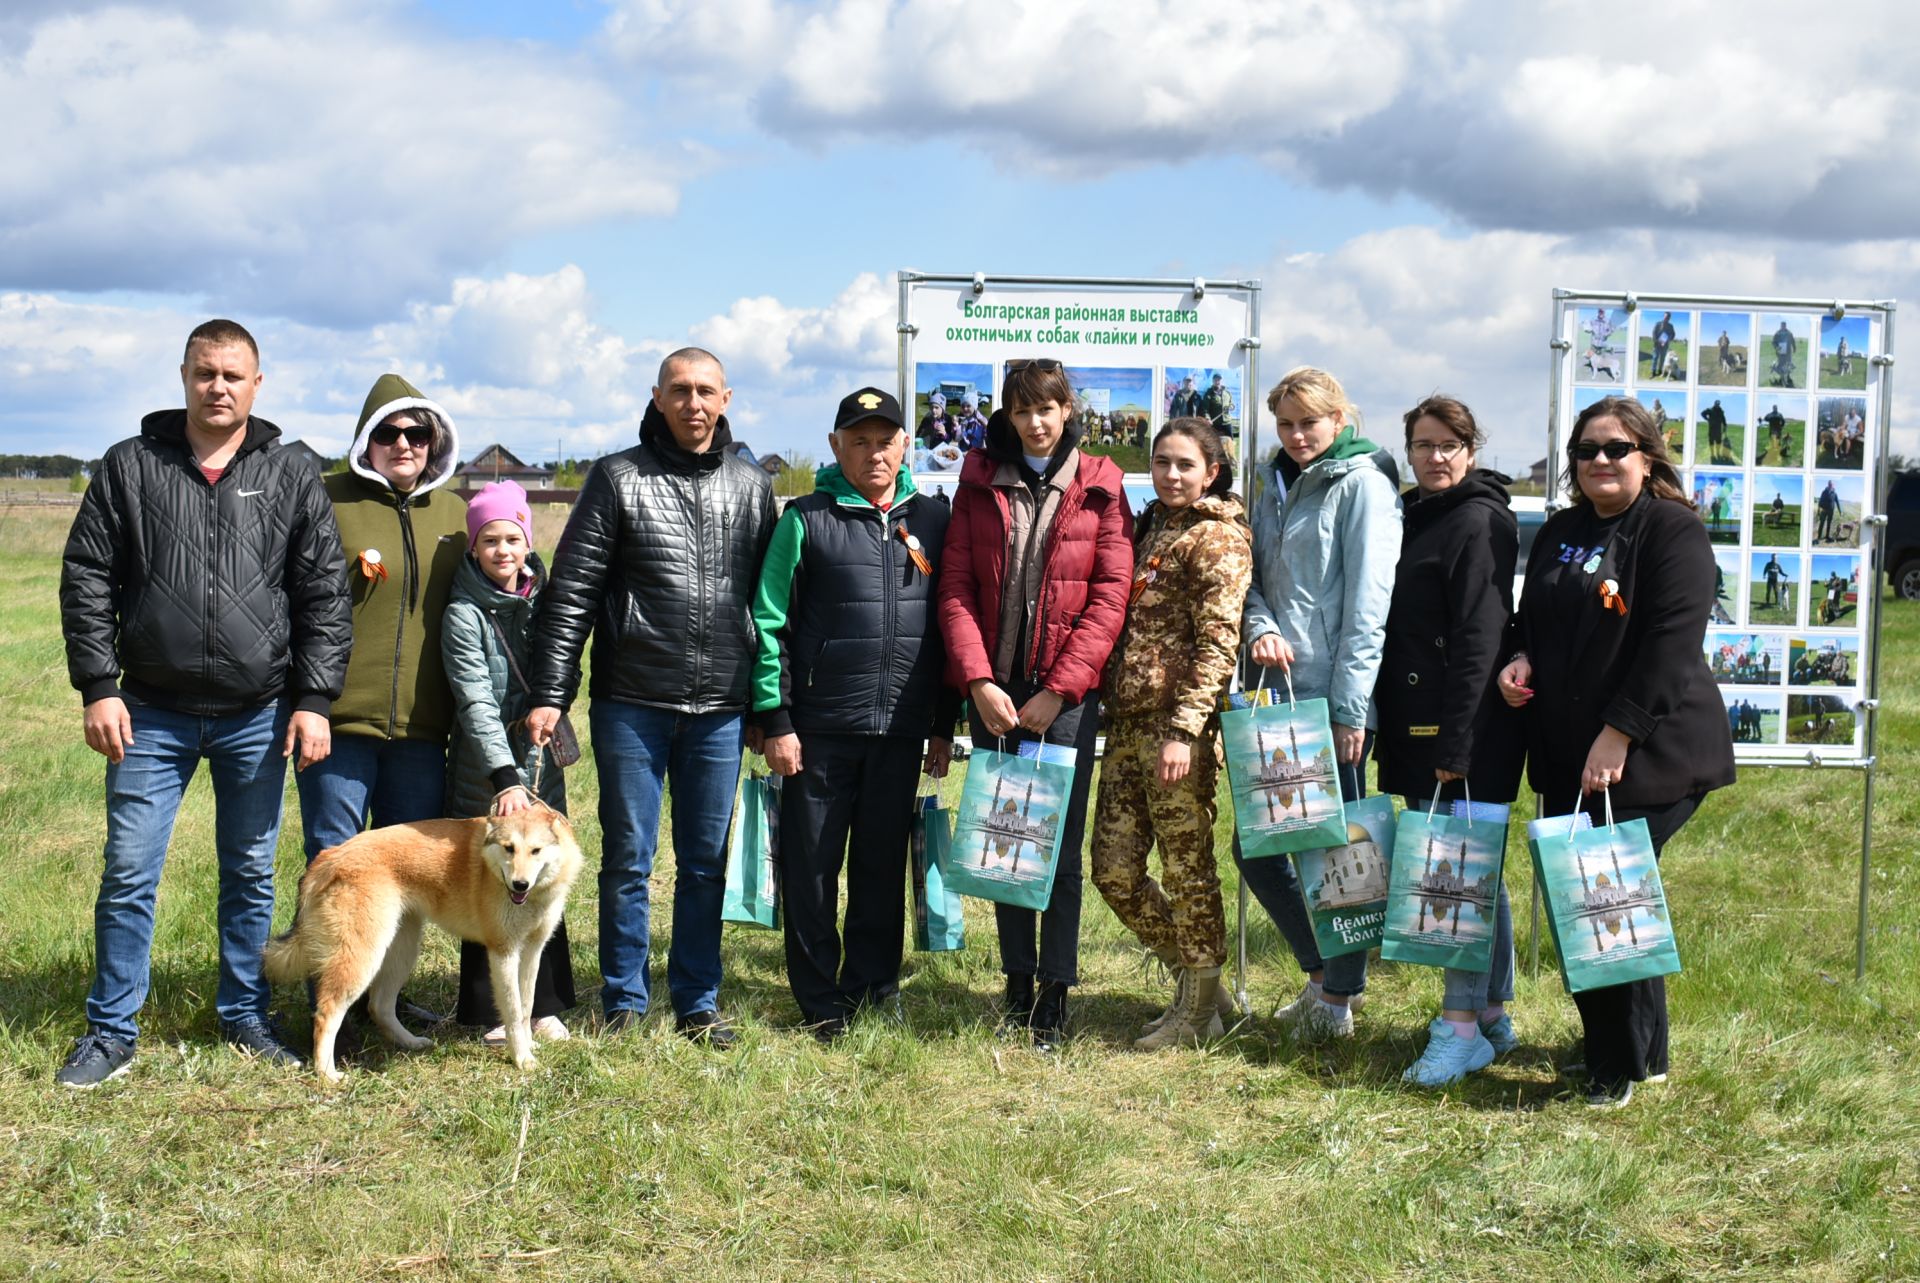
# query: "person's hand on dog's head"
{"points": [[507, 801]]}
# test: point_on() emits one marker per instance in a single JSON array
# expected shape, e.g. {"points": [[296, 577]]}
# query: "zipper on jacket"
{"points": [[698, 703], [209, 567], [408, 570], [887, 621]]}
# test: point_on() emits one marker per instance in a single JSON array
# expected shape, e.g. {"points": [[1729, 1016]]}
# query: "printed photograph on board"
{"points": [[1779, 509], [1601, 342], [1726, 585], [1773, 588], [1843, 352], [1836, 511], [1833, 589], [1747, 659], [1754, 717], [1780, 432], [1726, 338], [1211, 392], [1825, 661], [1841, 432], [951, 404], [1785, 341], [1668, 406], [1720, 429], [1664, 342], [1717, 498], [1820, 719]]}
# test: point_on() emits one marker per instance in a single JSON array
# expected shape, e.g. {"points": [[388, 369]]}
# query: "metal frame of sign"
{"points": [[1565, 343], [1194, 289]]}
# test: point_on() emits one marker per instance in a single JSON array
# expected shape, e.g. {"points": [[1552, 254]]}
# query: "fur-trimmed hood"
{"points": [[390, 395]]}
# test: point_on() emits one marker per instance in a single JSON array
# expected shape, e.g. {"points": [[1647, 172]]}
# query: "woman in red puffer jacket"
{"points": [[1032, 596]]}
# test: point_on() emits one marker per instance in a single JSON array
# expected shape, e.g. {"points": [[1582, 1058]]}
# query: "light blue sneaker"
{"points": [[1448, 1057], [1500, 1034]]}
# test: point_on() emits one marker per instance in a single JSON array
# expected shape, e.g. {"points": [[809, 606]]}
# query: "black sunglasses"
{"points": [[1044, 364], [388, 433], [1616, 450]]}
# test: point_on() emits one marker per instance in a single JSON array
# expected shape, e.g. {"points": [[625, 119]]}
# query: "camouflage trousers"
{"points": [[1182, 912]]}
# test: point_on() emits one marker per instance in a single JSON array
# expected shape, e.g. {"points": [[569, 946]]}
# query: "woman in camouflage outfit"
{"points": [[1193, 558]]}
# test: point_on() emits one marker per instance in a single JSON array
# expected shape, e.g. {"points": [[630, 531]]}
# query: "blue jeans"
{"points": [[242, 752], [369, 782], [637, 750], [1277, 887]]}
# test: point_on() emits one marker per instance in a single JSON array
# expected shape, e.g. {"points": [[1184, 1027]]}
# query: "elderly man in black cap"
{"points": [[848, 691]]}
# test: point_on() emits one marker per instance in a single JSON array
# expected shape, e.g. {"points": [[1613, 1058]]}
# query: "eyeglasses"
{"points": [[1441, 450], [388, 433], [1616, 450]]}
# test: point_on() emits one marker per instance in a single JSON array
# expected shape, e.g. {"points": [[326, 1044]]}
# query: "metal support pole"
{"points": [[1871, 703], [1249, 459]]}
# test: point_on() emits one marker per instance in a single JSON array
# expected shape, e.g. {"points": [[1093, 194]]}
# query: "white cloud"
{"points": [[310, 159], [1562, 118]]}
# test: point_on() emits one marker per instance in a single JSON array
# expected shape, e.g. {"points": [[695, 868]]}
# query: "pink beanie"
{"points": [[499, 501]]}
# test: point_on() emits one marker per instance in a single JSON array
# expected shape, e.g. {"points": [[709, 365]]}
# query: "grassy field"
{"points": [[1855, 377], [1784, 1147], [1648, 375]]}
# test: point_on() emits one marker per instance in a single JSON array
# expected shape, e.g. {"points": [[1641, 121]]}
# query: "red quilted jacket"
{"points": [[1083, 587]]}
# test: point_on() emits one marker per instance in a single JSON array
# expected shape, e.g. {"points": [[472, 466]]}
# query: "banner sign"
{"points": [[1137, 354], [1766, 408]]}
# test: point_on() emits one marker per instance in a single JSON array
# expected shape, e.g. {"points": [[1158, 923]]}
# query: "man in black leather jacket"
{"points": [[203, 597], [659, 562]]}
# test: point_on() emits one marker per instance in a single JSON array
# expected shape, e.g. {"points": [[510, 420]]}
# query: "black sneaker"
{"points": [[829, 1031], [1050, 1017], [1600, 1096], [95, 1059], [708, 1028], [261, 1040]]}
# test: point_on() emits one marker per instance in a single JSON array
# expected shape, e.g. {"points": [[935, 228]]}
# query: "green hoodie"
{"points": [[396, 686]]}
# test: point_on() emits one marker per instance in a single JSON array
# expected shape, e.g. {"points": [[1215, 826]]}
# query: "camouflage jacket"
{"points": [[1191, 570]]}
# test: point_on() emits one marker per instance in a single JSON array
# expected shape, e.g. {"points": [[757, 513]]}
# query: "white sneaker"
{"points": [[1298, 1007], [1323, 1022], [550, 1029]]}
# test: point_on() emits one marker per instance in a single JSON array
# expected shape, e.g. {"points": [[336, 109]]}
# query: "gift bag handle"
{"points": [[1284, 672], [1433, 807], [1573, 821]]}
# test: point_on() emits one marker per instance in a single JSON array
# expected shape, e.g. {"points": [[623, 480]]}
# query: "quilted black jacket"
{"points": [[659, 562], [205, 599]]}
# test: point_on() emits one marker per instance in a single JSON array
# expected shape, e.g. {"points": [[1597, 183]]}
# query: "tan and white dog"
{"points": [[501, 881]]}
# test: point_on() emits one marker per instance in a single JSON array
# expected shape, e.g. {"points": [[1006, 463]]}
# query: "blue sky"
{"points": [[521, 207]]}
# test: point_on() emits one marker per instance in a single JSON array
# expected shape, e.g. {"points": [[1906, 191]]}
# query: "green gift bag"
{"points": [[1605, 902], [1445, 888], [1281, 773], [1346, 886], [938, 926], [1007, 835], [1538, 829], [752, 894]]}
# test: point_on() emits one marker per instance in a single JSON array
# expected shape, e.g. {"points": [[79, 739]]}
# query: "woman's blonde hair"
{"points": [[1318, 392]]}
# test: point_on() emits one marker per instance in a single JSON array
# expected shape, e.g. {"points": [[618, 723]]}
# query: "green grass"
{"points": [[1782, 612], [1784, 1147], [1647, 377], [1710, 373], [1830, 376], [1732, 442]]}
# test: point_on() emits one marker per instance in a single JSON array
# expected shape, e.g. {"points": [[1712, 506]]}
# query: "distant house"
{"points": [[774, 464], [306, 454], [497, 463], [1537, 474]]}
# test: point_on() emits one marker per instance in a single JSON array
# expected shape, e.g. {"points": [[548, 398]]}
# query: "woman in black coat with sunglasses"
{"points": [[1608, 665]]}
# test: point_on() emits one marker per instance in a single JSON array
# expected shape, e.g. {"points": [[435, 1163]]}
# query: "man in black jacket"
{"points": [[658, 562], [203, 598], [848, 690]]}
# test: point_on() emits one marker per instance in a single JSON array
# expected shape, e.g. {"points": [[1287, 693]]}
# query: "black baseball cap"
{"points": [[868, 403]]}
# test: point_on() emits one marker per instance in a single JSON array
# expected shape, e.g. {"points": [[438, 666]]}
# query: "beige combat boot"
{"points": [[1224, 1004], [1195, 1017]]}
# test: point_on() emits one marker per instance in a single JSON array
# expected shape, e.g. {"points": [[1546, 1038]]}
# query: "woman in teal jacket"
{"points": [[1326, 539], [489, 761]]}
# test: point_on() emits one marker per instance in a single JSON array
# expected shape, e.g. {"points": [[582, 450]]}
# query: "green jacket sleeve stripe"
{"points": [[772, 611]]}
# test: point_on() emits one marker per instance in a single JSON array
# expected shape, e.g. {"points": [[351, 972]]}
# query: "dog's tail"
{"points": [[285, 957]]}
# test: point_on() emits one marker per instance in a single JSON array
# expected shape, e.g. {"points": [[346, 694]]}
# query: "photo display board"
{"points": [[1771, 414], [1137, 353]]}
